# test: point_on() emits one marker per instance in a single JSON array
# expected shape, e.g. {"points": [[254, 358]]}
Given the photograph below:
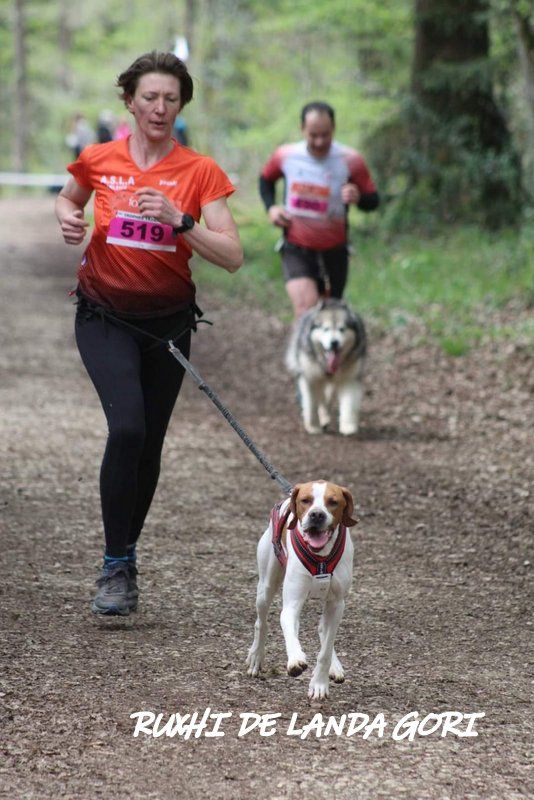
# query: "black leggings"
{"points": [[137, 381]]}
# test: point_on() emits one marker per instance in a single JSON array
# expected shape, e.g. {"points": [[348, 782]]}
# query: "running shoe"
{"points": [[114, 597], [133, 589]]}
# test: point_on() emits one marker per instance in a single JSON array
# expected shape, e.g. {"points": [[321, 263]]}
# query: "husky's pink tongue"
{"points": [[332, 362], [317, 539]]}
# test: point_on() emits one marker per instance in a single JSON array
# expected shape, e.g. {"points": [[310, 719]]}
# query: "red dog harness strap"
{"points": [[278, 522], [315, 564], [319, 565]]}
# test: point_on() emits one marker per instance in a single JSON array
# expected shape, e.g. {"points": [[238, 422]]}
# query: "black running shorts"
{"points": [[329, 268]]}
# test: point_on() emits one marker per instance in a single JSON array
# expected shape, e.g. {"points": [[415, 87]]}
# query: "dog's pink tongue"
{"points": [[318, 540], [332, 362]]}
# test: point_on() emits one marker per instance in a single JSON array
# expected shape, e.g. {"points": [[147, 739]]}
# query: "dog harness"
{"points": [[315, 564]]}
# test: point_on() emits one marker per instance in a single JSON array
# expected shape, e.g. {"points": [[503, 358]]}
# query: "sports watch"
{"points": [[187, 223]]}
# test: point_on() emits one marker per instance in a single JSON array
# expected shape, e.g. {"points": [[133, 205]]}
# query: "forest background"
{"points": [[437, 94]]}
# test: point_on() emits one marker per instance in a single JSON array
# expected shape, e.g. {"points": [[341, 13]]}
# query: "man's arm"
{"points": [[267, 192], [271, 172], [368, 201], [277, 214], [361, 190]]}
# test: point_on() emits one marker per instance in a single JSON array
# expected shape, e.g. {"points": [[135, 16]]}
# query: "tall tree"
{"points": [[20, 143], [64, 45], [462, 145], [525, 29]]}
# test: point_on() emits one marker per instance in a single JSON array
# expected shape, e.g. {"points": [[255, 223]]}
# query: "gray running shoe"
{"points": [[112, 597], [133, 589]]}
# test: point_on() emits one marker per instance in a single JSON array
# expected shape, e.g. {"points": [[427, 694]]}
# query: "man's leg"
{"points": [[301, 273], [303, 293], [336, 262]]}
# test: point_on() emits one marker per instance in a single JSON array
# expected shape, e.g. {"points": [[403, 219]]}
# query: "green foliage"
{"points": [[453, 158], [254, 65], [105, 36], [455, 284], [434, 169]]}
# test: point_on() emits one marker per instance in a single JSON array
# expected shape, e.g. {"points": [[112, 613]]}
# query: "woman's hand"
{"points": [[153, 203], [69, 211], [73, 227]]}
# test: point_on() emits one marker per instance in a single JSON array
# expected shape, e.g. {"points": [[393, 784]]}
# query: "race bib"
{"points": [[308, 199], [128, 229]]}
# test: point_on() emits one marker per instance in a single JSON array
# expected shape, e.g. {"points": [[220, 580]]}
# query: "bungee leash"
{"points": [[103, 313]]}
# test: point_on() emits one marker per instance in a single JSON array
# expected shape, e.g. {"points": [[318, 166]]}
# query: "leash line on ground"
{"points": [[285, 485]]}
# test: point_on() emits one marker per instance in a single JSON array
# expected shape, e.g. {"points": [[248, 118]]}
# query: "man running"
{"points": [[322, 178]]}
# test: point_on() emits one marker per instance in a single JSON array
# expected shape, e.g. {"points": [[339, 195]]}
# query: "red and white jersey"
{"points": [[133, 263], [313, 191]]}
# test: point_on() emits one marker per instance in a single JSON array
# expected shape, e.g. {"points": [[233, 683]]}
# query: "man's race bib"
{"points": [[308, 199], [128, 229]]}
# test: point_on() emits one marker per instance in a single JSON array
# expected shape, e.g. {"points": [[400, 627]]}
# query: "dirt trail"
{"points": [[438, 620]]}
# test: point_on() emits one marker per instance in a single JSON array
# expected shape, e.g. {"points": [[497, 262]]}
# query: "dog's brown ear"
{"points": [[348, 511], [293, 507]]}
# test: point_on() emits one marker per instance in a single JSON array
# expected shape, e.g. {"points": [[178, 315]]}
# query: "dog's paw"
{"points": [[348, 428], [324, 418], [296, 667], [318, 689], [336, 672], [313, 429], [338, 676], [255, 664]]}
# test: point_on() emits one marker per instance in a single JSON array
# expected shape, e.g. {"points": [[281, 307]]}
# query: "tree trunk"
{"points": [[20, 144], [525, 31], [64, 44], [457, 119], [189, 23]]}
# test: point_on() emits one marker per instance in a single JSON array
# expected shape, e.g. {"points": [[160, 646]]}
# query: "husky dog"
{"points": [[326, 354]]}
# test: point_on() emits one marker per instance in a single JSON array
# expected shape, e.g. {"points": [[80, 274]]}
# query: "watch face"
{"points": [[187, 223]]}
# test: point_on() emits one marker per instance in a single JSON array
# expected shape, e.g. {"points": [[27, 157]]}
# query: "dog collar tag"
{"points": [[320, 586]]}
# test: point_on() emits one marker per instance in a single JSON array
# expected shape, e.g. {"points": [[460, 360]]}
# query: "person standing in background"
{"points": [[105, 126], [80, 135]]}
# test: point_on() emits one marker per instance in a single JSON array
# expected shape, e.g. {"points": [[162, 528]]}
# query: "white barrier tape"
{"points": [[31, 179], [38, 179]]}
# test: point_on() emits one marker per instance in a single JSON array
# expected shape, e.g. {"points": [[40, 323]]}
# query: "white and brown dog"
{"points": [[308, 546]]}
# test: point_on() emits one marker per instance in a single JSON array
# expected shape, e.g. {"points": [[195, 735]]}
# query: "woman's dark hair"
{"points": [[155, 61], [321, 108]]}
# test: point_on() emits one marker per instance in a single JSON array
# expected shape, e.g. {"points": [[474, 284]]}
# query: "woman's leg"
{"points": [[161, 378], [112, 358]]}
